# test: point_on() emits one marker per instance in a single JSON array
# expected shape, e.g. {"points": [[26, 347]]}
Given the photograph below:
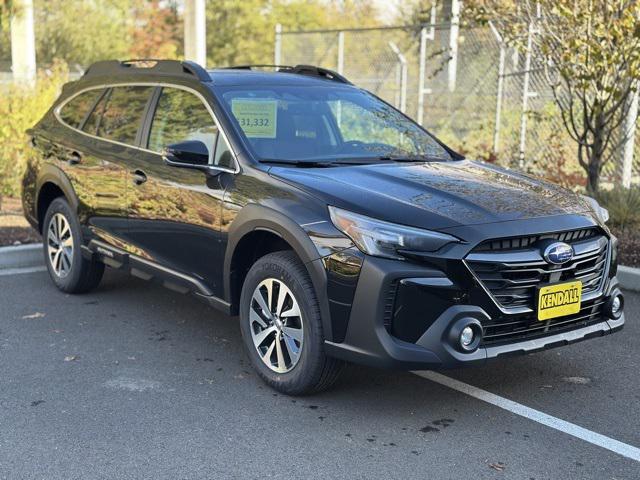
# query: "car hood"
{"points": [[435, 195]]}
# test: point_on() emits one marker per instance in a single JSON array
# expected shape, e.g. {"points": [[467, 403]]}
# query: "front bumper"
{"points": [[436, 302]]}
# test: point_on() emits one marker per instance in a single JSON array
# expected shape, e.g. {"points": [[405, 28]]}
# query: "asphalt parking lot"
{"points": [[136, 381]]}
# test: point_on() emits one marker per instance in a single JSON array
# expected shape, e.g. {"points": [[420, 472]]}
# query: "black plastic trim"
{"points": [[148, 270]]}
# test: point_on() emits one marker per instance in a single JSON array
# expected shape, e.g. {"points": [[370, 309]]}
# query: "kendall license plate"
{"points": [[559, 300]]}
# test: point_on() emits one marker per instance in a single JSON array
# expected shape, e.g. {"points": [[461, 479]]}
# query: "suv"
{"points": [[332, 224]]}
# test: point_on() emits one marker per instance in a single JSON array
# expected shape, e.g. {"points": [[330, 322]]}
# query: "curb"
{"points": [[629, 278], [21, 256]]}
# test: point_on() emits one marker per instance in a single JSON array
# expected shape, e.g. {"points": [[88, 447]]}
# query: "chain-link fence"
{"points": [[465, 85]]}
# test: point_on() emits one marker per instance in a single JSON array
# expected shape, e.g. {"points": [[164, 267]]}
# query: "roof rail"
{"points": [[309, 70], [150, 65]]}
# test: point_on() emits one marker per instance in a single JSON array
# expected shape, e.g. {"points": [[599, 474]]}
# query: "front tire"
{"points": [[282, 328], [62, 239]]}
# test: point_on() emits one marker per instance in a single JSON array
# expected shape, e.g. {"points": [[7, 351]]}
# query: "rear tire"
{"points": [[298, 366], [62, 239]]}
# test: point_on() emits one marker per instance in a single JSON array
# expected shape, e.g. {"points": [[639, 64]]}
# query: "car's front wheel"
{"points": [[62, 239], [281, 326]]}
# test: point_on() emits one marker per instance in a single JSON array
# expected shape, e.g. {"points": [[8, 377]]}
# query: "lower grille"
{"points": [[389, 302], [525, 327]]}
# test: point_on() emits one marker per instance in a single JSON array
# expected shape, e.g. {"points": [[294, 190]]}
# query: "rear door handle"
{"points": [[74, 158], [139, 177]]}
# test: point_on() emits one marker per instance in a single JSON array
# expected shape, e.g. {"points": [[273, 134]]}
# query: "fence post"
{"points": [[277, 48], [453, 44], [23, 45], [525, 98], [402, 64], [500, 87], [424, 36], [421, 73], [629, 132], [340, 52]]}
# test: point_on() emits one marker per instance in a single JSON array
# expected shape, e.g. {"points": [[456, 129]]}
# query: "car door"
{"points": [[105, 124], [114, 124], [174, 216]]}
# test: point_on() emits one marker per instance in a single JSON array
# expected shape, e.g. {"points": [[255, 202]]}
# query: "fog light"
{"points": [[466, 336], [616, 305]]}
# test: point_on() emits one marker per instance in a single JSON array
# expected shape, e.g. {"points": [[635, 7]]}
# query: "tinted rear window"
{"points": [[74, 111], [118, 115]]}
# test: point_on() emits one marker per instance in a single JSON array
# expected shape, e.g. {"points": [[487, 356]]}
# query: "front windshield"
{"points": [[328, 124]]}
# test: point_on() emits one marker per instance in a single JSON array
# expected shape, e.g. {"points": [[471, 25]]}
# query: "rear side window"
{"points": [[181, 116], [75, 111], [119, 113]]}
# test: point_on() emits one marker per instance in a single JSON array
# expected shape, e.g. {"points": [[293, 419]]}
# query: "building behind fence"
{"points": [[466, 86]]}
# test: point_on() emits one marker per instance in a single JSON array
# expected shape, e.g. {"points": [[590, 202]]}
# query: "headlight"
{"points": [[601, 212], [384, 239]]}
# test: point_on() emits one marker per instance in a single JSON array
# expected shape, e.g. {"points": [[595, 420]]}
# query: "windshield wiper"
{"points": [[317, 163], [298, 163], [410, 158]]}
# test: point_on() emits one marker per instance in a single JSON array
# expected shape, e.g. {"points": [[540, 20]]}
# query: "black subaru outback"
{"points": [[333, 225]]}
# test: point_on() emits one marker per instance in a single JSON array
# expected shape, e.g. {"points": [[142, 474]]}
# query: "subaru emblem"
{"points": [[558, 253]]}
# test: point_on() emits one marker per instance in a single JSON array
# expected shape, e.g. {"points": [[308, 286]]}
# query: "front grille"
{"points": [[512, 275], [527, 326], [514, 243]]}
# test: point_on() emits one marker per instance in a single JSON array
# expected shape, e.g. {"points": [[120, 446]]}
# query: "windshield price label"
{"points": [[257, 118]]}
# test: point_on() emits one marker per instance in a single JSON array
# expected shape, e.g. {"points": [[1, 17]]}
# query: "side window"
{"points": [[117, 116], [181, 116], [91, 125], [74, 111]]}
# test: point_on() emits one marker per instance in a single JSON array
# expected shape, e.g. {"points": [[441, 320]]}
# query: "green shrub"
{"points": [[20, 108], [623, 205]]}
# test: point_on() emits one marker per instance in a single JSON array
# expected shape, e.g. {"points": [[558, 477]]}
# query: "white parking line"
{"points": [[17, 271], [594, 438]]}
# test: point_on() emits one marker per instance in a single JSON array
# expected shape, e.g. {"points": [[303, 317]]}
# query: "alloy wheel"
{"points": [[276, 325], [60, 245]]}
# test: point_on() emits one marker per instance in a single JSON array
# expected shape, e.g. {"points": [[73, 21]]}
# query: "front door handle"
{"points": [[139, 177]]}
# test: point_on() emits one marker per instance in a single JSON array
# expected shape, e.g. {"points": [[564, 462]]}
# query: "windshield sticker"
{"points": [[257, 118]]}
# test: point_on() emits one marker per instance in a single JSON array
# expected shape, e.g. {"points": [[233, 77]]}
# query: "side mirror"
{"points": [[189, 154]]}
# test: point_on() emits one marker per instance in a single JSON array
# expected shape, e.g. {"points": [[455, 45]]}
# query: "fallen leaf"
{"points": [[33, 315], [577, 380], [498, 466], [70, 358]]}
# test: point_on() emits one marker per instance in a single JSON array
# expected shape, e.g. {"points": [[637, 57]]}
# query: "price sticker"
{"points": [[257, 118]]}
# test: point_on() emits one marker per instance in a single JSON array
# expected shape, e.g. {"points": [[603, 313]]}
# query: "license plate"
{"points": [[559, 300]]}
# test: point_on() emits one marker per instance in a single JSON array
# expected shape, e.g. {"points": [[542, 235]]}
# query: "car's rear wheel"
{"points": [[281, 326], [62, 237]]}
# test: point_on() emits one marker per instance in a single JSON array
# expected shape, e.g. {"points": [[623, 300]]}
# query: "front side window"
{"points": [[332, 123], [75, 111], [181, 116], [118, 115]]}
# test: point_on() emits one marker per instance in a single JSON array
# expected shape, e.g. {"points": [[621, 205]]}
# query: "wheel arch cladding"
{"points": [[260, 224], [53, 183]]}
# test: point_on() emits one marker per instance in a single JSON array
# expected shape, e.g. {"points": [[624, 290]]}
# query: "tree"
{"points": [[157, 29], [591, 56], [243, 32]]}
